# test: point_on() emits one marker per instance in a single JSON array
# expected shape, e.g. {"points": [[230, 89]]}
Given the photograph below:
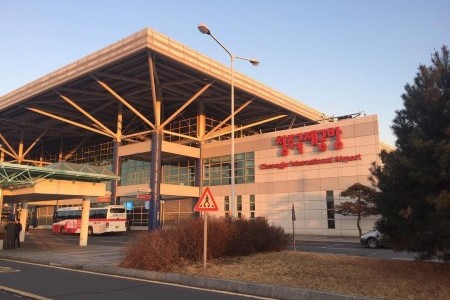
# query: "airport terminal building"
{"points": [[157, 115]]}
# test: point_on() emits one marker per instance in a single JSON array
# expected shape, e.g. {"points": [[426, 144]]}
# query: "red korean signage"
{"points": [[316, 138]]}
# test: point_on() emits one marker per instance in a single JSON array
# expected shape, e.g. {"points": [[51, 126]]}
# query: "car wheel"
{"points": [[62, 230], [90, 231], [373, 243]]}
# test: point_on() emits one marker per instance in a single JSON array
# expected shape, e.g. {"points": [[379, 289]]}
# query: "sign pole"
{"points": [[206, 203], [205, 239], [293, 227]]}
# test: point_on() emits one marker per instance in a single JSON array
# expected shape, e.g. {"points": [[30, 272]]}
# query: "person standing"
{"points": [[10, 234], [18, 229]]}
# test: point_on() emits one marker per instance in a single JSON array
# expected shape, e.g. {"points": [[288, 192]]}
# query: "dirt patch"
{"points": [[387, 279]]}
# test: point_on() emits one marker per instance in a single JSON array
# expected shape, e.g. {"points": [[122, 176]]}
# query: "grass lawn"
{"points": [[387, 279]]}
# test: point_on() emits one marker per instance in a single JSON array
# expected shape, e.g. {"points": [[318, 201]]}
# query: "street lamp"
{"points": [[205, 30]]}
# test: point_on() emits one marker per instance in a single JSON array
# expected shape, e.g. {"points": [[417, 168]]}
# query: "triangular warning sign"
{"points": [[206, 202]]}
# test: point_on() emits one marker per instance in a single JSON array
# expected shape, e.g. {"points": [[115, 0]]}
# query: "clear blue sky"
{"points": [[339, 57]]}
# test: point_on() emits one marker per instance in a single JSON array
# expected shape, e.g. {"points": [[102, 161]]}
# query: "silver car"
{"points": [[373, 239]]}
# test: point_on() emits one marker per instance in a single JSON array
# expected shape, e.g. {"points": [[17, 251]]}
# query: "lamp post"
{"points": [[205, 30]]}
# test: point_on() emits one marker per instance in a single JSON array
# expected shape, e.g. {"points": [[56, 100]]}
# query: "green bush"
{"points": [[163, 250]]}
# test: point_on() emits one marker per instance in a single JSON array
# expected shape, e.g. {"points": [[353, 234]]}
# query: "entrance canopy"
{"points": [[57, 181]]}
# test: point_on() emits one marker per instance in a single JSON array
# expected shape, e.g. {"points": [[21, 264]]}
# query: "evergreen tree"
{"points": [[362, 207], [414, 180]]}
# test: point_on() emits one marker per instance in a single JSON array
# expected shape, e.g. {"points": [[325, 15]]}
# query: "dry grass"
{"points": [[357, 276]]}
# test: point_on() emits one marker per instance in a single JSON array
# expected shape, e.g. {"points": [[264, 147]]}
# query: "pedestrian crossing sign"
{"points": [[206, 202]]}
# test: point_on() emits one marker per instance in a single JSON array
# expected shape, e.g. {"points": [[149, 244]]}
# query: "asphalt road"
{"points": [[45, 239], [58, 283], [54, 282], [351, 249]]}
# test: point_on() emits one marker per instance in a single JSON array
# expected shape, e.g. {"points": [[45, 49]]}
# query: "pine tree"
{"points": [[362, 207], [414, 180]]}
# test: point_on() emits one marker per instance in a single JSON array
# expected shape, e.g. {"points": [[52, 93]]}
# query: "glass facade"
{"points": [[179, 173], [135, 172], [172, 211], [217, 170]]}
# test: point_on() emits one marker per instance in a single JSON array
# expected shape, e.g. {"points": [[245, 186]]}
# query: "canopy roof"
{"points": [[71, 102], [13, 176]]}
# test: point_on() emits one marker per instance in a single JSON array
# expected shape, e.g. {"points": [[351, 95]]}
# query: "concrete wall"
{"points": [[276, 189]]}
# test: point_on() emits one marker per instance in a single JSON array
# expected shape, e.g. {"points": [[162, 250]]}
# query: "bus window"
{"points": [[116, 210]]}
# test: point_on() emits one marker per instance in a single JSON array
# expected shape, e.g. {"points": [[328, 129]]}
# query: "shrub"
{"points": [[163, 250], [154, 251]]}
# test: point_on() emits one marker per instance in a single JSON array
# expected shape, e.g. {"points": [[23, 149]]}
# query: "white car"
{"points": [[373, 239]]}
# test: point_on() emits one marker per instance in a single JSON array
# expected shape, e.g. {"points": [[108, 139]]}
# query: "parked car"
{"points": [[372, 239]]}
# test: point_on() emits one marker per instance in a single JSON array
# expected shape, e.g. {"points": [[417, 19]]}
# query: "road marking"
{"points": [[22, 293], [327, 247], [379, 252], [136, 279], [331, 246], [350, 249], [8, 270], [118, 242]]}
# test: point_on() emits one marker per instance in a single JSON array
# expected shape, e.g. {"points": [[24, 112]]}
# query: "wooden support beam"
{"points": [[20, 154], [68, 155], [68, 121], [137, 134], [156, 103], [182, 135], [35, 142], [124, 102], [88, 115], [192, 99], [207, 137], [212, 131], [11, 149]]}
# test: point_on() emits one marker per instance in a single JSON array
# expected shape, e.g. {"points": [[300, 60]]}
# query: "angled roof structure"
{"points": [[82, 100], [14, 176]]}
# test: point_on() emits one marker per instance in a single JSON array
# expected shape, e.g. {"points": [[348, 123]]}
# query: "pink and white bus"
{"points": [[112, 218]]}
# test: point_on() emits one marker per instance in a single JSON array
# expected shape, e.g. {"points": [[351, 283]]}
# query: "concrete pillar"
{"points": [[155, 182], [13, 211], [1, 200], [23, 220], [84, 222], [116, 170], [116, 159], [1, 209]]}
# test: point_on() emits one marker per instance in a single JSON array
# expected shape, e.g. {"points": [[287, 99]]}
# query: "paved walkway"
{"points": [[105, 259]]}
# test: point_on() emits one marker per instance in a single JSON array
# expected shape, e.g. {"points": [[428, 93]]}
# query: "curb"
{"points": [[262, 290], [226, 285]]}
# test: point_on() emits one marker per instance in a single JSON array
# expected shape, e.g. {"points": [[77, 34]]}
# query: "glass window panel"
{"points": [[215, 160], [240, 156], [218, 171], [239, 164], [215, 181], [331, 224], [330, 214]]}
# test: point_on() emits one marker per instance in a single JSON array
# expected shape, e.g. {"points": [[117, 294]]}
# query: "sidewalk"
{"points": [[105, 259]]}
